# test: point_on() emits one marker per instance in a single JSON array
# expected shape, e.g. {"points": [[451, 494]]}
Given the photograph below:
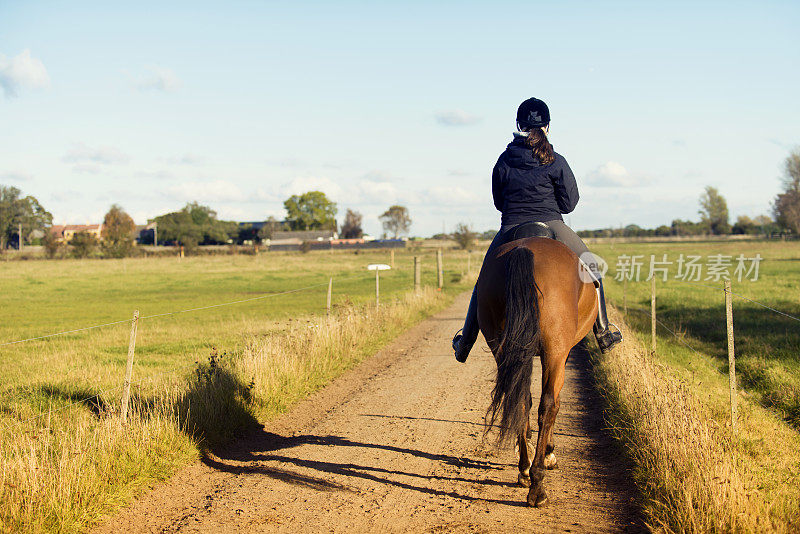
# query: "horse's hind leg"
{"points": [[525, 454], [550, 461], [552, 382]]}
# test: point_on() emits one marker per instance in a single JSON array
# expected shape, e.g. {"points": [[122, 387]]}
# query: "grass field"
{"points": [[204, 375], [200, 376], [671, 410], [767, 343]]}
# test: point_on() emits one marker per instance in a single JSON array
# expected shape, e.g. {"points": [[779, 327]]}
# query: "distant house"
{"points": [[65, 232], [146, 233], [256, 225], [297, 238]]}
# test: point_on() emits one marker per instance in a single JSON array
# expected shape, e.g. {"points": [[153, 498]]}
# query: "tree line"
{"points": [[715, 220], [23, 220]]}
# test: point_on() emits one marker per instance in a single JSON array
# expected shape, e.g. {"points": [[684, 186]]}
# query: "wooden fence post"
{"points": [[625, 294], [653, 314], [391, 251], [126, 390], [377, 288], [330, 289], [439, 273], [417, 275], [731, 355]]}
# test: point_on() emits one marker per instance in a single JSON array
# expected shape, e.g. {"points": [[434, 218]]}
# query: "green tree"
{"points": [[351, 227], [714, 211], [663, 230], [83, 244], [16, 210], [195, 225], [271, 225], [396, 220], [310, 211], [52, 246], [215, 231], [118, 232], [464, 236], [786, 207], [681, 227]]}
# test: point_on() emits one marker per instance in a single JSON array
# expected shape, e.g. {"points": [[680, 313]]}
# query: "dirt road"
{"points": [[396, 445]]}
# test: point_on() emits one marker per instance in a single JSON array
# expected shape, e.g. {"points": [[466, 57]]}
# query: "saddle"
{"points": [[529, 229], [540, 229]]}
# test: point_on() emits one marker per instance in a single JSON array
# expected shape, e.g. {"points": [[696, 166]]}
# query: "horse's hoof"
{"points": [[539, 501], [524, 480], [550, 461]]}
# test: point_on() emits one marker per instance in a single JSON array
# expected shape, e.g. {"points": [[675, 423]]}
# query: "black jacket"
{"points": [[525, 190]]}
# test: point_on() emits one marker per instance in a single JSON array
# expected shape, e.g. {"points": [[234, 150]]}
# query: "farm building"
{"points": [[65, 232]]}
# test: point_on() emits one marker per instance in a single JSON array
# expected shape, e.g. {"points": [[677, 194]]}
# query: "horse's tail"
{"points": [[519, 344]]}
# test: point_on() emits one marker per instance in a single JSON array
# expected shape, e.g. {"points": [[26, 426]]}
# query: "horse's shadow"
{"points": [[273, 455], [251, 453]]}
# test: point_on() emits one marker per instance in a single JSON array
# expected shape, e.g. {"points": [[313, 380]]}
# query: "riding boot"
{"points": [[606, 336], [463, 341]]}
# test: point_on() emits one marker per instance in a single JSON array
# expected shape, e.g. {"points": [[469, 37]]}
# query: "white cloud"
{"points": [[158, 175], [106, 155], [15, 176], [216, 191], [303, 184], [185, 159], [22, 72], [379, 176], [612, 174], [158, 79], [451, 196], [86, 168], [213, 191], [375, 192], [456, 117]]}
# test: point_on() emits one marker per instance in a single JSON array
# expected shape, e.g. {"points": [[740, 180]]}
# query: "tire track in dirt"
{"points": [[396, 445]]}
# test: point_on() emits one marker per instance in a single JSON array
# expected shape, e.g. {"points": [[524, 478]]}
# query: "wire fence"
{"points": [[729, 294], [743, 297], [151, 377]]}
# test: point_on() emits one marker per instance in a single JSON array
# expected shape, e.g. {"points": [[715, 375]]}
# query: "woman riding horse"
{"points": [[532, 183], [530, 299]]}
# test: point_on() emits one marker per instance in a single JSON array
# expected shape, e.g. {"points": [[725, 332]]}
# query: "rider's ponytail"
{"points": [[542, 149]]}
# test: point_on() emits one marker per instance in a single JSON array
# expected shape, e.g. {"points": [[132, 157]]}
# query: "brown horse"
{"points": [[528, 309]]}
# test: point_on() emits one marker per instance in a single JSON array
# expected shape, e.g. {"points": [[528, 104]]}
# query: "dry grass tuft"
{"points": [[688, 465]]}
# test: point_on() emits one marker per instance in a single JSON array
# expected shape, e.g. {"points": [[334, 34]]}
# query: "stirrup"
{"points": [[457, 338], [609, 338]]}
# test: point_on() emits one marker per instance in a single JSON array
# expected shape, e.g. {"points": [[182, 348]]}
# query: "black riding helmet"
{"points": [[532, 113]]}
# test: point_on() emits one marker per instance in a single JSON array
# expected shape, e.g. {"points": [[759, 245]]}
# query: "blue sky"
{"points": [[240, 104]]}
